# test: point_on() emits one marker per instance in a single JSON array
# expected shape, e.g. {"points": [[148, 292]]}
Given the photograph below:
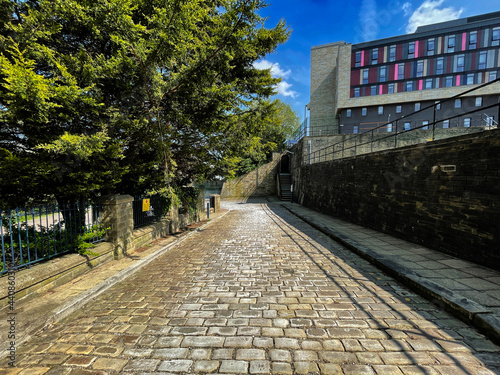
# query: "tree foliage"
{"points": [[278, 121], [125, 96]]}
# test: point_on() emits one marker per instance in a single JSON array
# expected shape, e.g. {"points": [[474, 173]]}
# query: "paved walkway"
{"points": [[258, 291]]}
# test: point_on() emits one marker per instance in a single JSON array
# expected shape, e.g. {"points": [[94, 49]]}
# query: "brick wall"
{"points": [[444, 194], [260, 182]]}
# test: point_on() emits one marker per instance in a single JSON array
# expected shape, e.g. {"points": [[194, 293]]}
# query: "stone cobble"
{"points": [[258, 292]]}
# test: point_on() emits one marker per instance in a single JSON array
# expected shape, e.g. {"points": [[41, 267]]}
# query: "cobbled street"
{"points": [[259, 291]]}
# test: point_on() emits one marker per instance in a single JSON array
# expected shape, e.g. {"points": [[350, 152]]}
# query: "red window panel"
{"points": [[473, 62], [355, 76], [368, 56], [448, 64], [430, 66], [352, 93], [385, 89], [408, 70], [353, 59], [381, 56], [372, 75], [421, 48], [401, 86], [392, 68], [399, 52]]}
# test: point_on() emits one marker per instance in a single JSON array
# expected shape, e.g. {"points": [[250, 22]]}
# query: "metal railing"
{"points": [[34, 234], [355, 145], [148, 209]]}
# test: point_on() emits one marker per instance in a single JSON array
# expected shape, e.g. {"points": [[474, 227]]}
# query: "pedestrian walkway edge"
{"points": [[469, 311], [79, 301]]}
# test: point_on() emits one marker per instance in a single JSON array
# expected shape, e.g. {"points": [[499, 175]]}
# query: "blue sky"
{"points": [[316, 22]]}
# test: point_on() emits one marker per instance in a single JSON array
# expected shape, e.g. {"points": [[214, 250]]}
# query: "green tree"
{"points": [[277, 122], [105, 96]]}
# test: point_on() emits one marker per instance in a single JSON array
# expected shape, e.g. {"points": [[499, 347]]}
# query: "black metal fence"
{"points": [[30, 235], [148, 209]]}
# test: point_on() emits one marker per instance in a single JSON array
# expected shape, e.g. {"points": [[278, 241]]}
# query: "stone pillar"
{"points": [[215, 202], [118, 216]]}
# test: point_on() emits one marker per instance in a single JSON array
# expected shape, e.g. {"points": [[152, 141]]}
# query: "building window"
{"points": [[479, 101], [495, 37], [430, 47], [446, 124], [440, 65], [373, 90], [365, 76], [392, 53], [411, 50], [381, 110], [451, 44], [389, 127], [470, 79], [401, 71], [458, 103], [479, 78], [460, 63], [409, 86], [355, 129], [417, 106], [482, 60], [448, 82], [428, 84], [348, 113], [473, 40], [467, 122], [438, 105], [398, 109], [363, 111], [390, 88], [492, 76], [407, 125], [426, 123], [420, 68], [356, 92], [383, 73], [375, 56], [357, 62]]}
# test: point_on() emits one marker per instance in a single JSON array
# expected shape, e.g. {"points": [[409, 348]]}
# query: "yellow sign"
{"points": [[145, 205]]}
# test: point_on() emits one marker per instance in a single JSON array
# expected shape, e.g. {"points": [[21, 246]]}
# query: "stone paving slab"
{"points": [[459, 286], [259, 291]]}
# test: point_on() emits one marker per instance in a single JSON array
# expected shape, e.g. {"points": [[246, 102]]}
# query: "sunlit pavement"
{"points": [[258, 291]]}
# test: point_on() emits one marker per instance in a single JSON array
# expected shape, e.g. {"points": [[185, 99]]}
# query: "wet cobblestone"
{"points": [[258, 292]]}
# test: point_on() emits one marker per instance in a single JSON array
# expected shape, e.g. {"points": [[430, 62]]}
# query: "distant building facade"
{"points": [[358, 87]]}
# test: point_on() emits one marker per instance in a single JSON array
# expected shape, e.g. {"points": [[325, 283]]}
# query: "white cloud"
{"points": [[283, 87], [429, 13], [407, 9]]}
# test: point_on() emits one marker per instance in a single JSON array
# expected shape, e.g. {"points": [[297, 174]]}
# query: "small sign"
{"points": [[145, 205]]}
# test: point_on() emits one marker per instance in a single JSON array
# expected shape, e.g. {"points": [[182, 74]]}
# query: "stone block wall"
{"points": [[260, 182], [118, 216], [443, 195]]}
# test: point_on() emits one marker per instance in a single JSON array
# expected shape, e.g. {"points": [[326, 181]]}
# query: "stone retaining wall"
{"points": [[443, 195]]}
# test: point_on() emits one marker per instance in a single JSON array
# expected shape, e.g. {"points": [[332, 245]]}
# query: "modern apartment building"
{"points": [[357, 87]]}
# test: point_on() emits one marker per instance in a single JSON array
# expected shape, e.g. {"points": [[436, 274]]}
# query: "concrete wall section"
{"points": [[443, 195]]}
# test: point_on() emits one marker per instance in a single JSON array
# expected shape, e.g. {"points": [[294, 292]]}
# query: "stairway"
{"points": [[286, 187]]}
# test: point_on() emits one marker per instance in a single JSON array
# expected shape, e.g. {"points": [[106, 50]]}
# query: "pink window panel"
{"points": [[458, 81], [464, 39]]}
